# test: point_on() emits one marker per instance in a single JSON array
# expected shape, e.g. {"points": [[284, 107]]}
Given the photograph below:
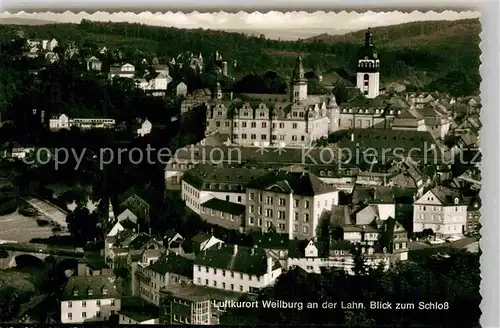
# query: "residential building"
{"points": [[88, 299], [204, 182], [312, 258], [64, 122], [289, 200], [136, 311], [127, 215], [203, 241], [235, 268], [192, 304], [442, 210], [122, 225], [145, 128], [168, 269], [125, 71], [94, 64]]}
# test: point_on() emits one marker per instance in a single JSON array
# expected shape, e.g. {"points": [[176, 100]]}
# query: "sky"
{"points": [[274, 21]]}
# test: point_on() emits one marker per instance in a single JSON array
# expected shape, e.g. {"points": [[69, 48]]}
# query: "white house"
{"points": [[94, 64], [125, 71], [235, 268], [122, 225], [61, 122], [145, 128], [127, 215], [51, 45], [181, 89], [64, 122], [442, 210], [291, 200], [341, 257], [88, 299]]}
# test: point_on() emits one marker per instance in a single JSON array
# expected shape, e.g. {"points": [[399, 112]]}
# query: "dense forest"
{"points": [[416, 54]]}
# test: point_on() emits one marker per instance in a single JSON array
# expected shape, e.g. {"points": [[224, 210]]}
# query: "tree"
{"points": [[341, 93], [83, 226]]}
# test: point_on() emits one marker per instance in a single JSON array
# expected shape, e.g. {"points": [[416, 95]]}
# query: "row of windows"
{"points": [[104, 291], [437, 208], [213, 212], [84, 315], [281, 201], [84, 303], [368, 111], [232, 275], [280, 228], [224, 285], [281, 137], [181, 319]]}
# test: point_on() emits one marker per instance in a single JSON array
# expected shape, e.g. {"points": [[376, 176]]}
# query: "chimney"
{"points": [[235, 250], [252, 251], [352, 137], [269, 265], [231, 95]]}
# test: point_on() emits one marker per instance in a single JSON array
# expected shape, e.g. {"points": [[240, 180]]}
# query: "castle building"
{"points": [[368, 76], [263, 120]]}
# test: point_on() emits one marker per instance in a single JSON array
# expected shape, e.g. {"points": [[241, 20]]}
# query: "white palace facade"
{"points": [[292, 120]]}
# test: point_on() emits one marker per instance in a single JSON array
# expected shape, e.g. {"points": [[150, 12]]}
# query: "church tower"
{"points": [[298, 83], [368, 76]]}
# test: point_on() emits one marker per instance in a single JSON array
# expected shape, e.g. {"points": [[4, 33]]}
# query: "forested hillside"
{"points": [[416, 54]]}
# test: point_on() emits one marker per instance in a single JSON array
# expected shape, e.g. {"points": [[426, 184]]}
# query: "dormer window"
{"points": [[456, 200], [75, 292], [90, 292], [104, 291]]}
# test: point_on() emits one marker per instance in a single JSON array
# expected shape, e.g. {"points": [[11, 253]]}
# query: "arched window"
{"points": [[366, 77]]}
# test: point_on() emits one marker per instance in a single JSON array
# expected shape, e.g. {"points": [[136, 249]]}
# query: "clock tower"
{"points": [[368, 76]]}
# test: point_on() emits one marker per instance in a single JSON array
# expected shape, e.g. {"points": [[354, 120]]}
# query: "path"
{"points": [[49, 210]]}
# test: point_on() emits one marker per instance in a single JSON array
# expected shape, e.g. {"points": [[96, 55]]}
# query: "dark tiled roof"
{"points": [[138, 309], [128, 225], [170, 233], [362, 101], [173, 263], [85, 285], [195, 293], [386, 144], [271, 240], [446, 195], [203, 174], [286, 181], [252, 261], [224, 206]]}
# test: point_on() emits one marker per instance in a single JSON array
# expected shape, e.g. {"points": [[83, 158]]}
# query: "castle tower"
{"points": [[368, 76], [298, 83]]}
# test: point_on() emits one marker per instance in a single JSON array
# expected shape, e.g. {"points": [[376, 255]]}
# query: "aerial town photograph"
{"points": [[240, 168]]}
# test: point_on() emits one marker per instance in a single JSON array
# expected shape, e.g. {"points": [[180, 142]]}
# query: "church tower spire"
{"points": [[299, 82], [368, 76]]}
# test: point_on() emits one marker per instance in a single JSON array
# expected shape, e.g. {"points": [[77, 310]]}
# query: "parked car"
{"points": [[436, 241], [441, 255], [452, 239]]}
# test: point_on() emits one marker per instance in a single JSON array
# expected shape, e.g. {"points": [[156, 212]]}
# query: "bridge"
{"points": [[11, 252], [49, 210]]}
